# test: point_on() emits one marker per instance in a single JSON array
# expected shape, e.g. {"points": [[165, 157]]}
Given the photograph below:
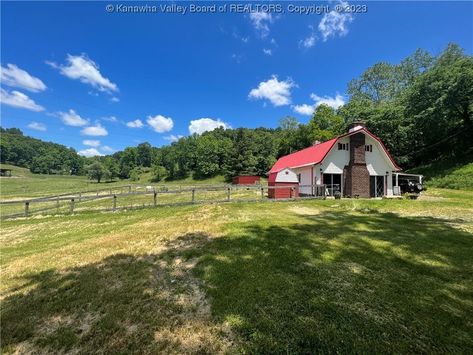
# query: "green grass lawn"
{"points": [[333, 276], [24, 184]]}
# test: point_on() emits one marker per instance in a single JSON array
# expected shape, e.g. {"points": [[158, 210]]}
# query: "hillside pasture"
{"points": [[347, 276]]}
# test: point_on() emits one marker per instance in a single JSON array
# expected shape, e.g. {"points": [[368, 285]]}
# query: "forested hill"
{"points": [[39, 156], [421, 108]]}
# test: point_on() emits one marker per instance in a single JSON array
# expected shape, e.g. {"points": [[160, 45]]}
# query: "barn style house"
{"points": [[356, 164]]}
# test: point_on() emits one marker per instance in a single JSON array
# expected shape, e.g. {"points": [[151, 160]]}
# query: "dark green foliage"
{"points": [[40, 157]]}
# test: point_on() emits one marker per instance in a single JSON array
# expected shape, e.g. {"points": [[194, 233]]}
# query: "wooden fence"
{"points": [[131, 197]]}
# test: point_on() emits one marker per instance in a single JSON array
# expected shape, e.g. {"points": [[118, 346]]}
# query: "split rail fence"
{"points": [[133, 197]]}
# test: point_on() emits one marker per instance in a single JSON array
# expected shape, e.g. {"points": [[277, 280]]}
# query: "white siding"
{"points": [[378, 162], [286, 175], [306, 179], [336, 159]]}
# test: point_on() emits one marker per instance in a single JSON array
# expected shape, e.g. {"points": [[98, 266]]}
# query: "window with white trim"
{"points": [[342, 146], [368, 148]]}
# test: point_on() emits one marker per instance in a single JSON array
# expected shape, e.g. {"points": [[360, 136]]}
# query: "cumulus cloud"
{"points": [[135, 124], [172, 138], [308, 110], [19, 100], [268, 51], [91, 143], [333, 102], [13, 76], [261, 21], [202, 125], [160, 123], [97, 130], [304, 109], [335, 23], [277, 92], [90, 152], [71, 118], [110, 119], [107, 149], [37, 126], [309, 41], [115, 99], [84, 69]]}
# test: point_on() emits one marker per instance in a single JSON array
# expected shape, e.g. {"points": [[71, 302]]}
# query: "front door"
{"points": [[377, 186]]}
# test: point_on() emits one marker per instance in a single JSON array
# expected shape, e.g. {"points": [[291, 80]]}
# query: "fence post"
{"points": [[114, 202], [155, 198], [228, 193], [129, 188], [27, 208], [262, 192], [57, 205], [72, 205], [193, 195]]}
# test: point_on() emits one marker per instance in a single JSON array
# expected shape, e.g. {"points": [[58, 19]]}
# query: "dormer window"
{"points": [[342, 146], [369, 148]]}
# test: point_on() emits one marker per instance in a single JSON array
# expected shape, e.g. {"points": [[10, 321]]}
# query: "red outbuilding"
{"points": [[283, 184], [245, 180]]}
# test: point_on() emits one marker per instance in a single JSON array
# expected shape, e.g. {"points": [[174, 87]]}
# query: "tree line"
{"points": [[421, 108]]}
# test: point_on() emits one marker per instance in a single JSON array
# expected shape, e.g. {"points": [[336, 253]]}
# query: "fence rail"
{"points": [[147, 196]]}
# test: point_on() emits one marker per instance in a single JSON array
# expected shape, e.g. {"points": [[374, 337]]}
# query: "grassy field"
{"points": [[345, 276], [24, 184]]}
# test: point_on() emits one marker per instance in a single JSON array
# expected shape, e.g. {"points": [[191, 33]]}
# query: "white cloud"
{"points": [[90, 152], [16, 77], [91, 142], [87, 71], [333, 102], [277, 92], [97, 130], [37, 126], [115, 99], [107, 149], [160, 123], [261, 21], [173, 138], [202, 125], [335, 23], [19, 100], [304, 109], [110, 118], [268, 51], [135, 124], [309, 41], [71, 118]]}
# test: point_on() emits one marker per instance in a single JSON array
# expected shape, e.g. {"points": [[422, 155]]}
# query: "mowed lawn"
{"points": [[348, 276]]}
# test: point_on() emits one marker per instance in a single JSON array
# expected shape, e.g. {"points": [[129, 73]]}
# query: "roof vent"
{"points": [[355, 126], [316, 142]]}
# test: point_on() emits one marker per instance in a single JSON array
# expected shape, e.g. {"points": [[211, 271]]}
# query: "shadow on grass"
{"points": [[344, 282], [123, 304]]}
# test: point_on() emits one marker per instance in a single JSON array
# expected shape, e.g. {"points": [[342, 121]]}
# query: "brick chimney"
{"points": [[357, 177], [356, 125]]}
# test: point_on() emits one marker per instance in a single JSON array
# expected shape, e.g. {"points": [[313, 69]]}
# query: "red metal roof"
{"points": [[307, 156], [317, 153]]}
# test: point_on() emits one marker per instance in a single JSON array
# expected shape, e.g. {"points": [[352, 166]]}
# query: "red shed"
{"points": [[245, 180], [284, 177]]}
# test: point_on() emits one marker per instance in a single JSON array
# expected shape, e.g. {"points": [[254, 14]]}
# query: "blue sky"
{"points": [[99, 81]]}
